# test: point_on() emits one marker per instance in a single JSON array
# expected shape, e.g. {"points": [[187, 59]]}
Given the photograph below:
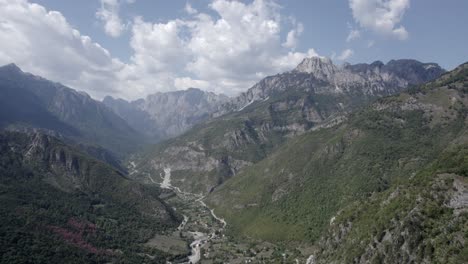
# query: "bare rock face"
{"points": [[166, 115], [321, 68], [318, 75]]}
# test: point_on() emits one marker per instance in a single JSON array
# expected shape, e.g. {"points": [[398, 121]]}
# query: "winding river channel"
{"points": [[200, 239], [206, 231]]}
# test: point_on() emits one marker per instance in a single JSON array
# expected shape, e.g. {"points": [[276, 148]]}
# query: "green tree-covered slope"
{"points": [[294, 194], [61, 206], [274, 110]]}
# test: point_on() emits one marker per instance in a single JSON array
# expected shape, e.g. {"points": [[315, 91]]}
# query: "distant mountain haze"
{"points": [[165, 115], [31, 102]]}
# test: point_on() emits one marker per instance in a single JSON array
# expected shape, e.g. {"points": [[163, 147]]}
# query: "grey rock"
{"points": [[166, 115], [319, 75], [30, 103]]}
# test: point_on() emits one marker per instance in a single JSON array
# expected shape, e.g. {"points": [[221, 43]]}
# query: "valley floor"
{"points": [[206, 232]]}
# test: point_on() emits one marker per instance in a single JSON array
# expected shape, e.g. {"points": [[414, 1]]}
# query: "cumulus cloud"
{"points": [[225, 51], [108, 13], [353, 34], [184, 82], [293, 36], [189, 9], [381, 16], [345, 54], [158, 47], [43, 42]]}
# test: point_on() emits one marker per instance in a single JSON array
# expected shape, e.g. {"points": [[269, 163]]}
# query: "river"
{"points": [[206, 230], [199, 239]]}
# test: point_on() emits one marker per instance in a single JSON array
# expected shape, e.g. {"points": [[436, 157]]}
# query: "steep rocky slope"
{"points": [[29, 102], [387, 181], [317, 93], [165, 115], [360, 80], [59, 205], [422, 219]]}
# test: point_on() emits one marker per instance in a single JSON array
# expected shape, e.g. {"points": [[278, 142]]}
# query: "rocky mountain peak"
{"points": [[11, 69], [320, 67], [368, 80], [12, 66], [167, 114]]}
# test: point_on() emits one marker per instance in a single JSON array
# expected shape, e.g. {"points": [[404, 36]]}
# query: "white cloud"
{"points": [[353, 34], [381, 16], [43, 42], [108, 13], [225, 52], [242, 44], [189, 9], [345, 54], [292, 59], [187, 82], [158, 47], [293, 36]]}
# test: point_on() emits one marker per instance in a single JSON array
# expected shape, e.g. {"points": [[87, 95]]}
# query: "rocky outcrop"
{"points": [[320, 76], [420, 233], [321, 68]]}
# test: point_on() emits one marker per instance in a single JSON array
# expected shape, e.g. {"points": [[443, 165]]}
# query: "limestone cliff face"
{"points": [[321, 76], [166, 115]]}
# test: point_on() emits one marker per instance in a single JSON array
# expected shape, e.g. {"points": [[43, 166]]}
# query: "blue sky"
{"points": [[131, 48]]}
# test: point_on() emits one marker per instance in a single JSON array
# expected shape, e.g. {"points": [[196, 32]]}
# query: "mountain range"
{"points": [[325, 163], [61, 206], [296, 191], [29, 102], [251, 126], [166, 115]]}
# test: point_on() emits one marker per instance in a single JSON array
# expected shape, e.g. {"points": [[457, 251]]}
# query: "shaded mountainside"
{"points": [[29, 102], [165, 115], [392, 176], [59, 205], [316, 94]]}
